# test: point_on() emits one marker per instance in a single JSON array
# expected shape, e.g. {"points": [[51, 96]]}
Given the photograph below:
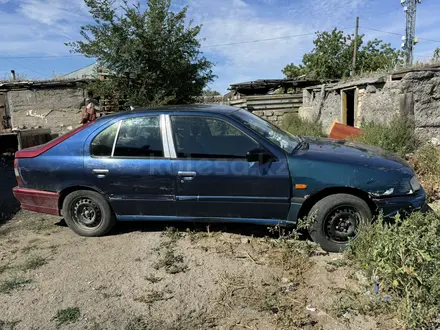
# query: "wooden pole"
{"points": [[355, 50]]}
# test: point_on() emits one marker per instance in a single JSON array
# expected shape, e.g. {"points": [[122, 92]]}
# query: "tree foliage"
{"points": [[210, 92], [436, 55], [152, 54], [332, 56]]}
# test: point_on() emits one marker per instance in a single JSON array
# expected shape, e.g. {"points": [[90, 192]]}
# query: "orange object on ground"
{"points": [[340, 131]]}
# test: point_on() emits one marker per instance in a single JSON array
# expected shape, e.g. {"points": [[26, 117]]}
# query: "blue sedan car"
{"points": [[211, 163]]}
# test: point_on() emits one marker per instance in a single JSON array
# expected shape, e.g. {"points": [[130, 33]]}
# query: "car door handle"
{"points": [[100, 172], [186, 174]]}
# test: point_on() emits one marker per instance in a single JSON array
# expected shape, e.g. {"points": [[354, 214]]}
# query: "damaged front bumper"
{"points": [[391, 206]]}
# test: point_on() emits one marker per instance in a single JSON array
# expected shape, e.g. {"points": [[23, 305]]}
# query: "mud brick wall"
{"points": [[56, 108]]}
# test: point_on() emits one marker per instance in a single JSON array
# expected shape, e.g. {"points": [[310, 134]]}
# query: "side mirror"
{"points": [[259, 155]]}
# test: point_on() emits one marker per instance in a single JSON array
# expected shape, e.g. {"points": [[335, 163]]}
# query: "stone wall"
{"points": [[425, 88], [378, 103], [276, 116], [416, 94], [56, 108], [326, 111]]}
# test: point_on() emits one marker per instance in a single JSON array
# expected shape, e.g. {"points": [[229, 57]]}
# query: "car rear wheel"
{"points": [[336, 220], [87, 213]]}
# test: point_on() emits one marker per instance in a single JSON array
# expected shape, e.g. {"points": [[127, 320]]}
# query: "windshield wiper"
{"points": [[302, 144]]}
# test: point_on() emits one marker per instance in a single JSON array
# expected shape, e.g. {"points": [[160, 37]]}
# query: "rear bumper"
{"points": [[390, 206], [37, 200]]}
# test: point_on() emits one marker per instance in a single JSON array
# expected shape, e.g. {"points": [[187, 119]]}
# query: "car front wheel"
{"points": [[87, 213], [336, 219]]}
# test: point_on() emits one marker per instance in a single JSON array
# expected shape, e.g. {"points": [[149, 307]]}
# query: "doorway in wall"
{"points": [[349, 97]]}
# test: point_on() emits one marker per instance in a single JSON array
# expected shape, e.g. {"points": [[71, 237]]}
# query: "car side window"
{"points": [[206, 137], [102, 144], [139, 137]]}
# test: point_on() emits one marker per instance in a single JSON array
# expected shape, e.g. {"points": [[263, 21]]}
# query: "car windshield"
{"points": [[283, 139]]}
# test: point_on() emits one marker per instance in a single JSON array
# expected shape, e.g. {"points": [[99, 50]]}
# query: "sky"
{"points": [[34, 32]]}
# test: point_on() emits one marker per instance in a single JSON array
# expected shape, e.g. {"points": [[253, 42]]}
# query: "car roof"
{"points": [[197, 108]]}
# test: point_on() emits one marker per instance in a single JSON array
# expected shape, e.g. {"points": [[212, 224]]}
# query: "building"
{"points": [[414, 93], [271, 99], [53, 104]]}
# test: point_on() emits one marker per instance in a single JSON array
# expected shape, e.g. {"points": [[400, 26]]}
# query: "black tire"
{"points": [[336, 219], [88, 213]]}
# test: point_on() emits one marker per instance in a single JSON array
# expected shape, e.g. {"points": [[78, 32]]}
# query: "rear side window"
{"points": [[102, 144], [140, 137]]}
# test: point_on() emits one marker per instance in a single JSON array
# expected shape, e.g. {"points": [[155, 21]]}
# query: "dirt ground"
{"points": [[8, 204], [169, 276], [148, 276]]}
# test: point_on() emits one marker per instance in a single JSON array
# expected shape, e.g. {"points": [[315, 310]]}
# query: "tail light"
{"points": [[17, 172]]}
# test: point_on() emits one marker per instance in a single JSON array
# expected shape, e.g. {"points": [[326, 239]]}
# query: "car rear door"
{"points": [[127, 161], [213, 177]]}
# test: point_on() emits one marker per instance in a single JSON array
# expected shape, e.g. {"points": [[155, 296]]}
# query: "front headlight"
{"points": [[415, 184]]}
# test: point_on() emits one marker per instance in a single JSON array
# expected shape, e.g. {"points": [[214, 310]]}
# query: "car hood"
{"points": [[325, 163], [352, 153]]}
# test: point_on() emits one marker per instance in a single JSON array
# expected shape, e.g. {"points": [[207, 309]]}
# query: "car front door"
{"points": [[213, 177], [127, 161]]}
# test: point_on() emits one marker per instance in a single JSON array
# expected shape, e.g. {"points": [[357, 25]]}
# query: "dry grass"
{"points": [[277, 297], [426, 162], [33, 263], [4, 268], [7, 286], [189, 321], [153, 279], [154, 296], [8, 325], [172, 263]]}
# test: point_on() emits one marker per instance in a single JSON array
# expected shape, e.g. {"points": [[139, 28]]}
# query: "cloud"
{"points": [[42, 26], [52, 11], [234, 21]]}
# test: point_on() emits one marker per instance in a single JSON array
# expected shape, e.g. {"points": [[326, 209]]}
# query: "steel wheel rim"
{"points": [[86, 213], [341, 224]]}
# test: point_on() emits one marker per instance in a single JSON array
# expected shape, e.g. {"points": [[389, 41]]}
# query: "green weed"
{"points": [[426, 163], [8, 325], [4, 268], [34, 262], [66, 316], [302, 127], [397, 136], [12, 284], [171, 262], [172, 233], [403, 258]]}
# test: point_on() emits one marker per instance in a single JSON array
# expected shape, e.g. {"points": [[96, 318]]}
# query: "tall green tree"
{"points": [[332, 55], [153, 54]]}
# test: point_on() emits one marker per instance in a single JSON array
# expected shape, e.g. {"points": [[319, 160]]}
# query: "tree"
{"points": [[436, 55], [152, 55], [377, 55], [291, 70], [332, 55], [210, 92]]}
